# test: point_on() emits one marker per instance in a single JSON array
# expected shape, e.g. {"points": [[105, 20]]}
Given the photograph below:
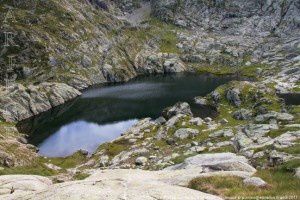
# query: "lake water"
{"points": [[103, 113]]}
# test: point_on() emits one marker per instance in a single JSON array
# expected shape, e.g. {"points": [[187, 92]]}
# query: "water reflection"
{"points": [[81, 135], [111, 109]]}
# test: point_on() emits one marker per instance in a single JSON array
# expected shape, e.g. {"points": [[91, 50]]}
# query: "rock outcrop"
{"points": [[216, 162], [130, 183], [21, 102], [251, 17]]}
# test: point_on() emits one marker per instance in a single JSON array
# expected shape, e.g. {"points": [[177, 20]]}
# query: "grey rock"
{"points": [[141, 161], [222, 144], [201, 101], [255, 181], [242, 114], [86, 61], [161, 133], [194, 143], [274, 115], [179, 108], [216, 162], [242, 141], [83, 152], [174, 120], [208, 119], [6, 160], [160, 120], [52, 166], [258, 130], [222, 133], [216, 97], [277, 158], [24, 102], [104, 161], [132, 141], [286, 139], [197, 149], [259, 154], [22, 140], [224, 121], [248, 153], [170, 141], [196, 121], [233, 96], [184, 133], [144, 185], [174, 66], [32, 147]]}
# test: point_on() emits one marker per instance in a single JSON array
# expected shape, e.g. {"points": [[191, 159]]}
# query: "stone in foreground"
{"points": [[216, 162], [108, 185], [255, 181]]}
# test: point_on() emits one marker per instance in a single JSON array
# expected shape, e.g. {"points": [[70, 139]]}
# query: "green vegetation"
{"points": [[114, 148], [80, 176], [295, 149], [280, 131], [215, 69], [67, 162], [281, 183], [36, 168], [229, 148], [168, 42], [295, 110]]}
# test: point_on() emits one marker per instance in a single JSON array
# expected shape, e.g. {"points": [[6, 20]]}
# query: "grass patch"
{"points": [[281, 183], [114, 148], [68, 162], [80, 176], [37, 168], [295, 110], [181, 158], [168, 42], [292, 150], [223, 149], [215, 69]]}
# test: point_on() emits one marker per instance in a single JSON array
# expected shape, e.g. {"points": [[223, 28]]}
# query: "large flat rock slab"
{"points": [[111, 185], [133, 184], [22, 184], [216, 162]]}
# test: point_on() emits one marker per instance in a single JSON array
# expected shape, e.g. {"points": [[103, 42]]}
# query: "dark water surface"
{"points": [[101, 114], [291, 98]]}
